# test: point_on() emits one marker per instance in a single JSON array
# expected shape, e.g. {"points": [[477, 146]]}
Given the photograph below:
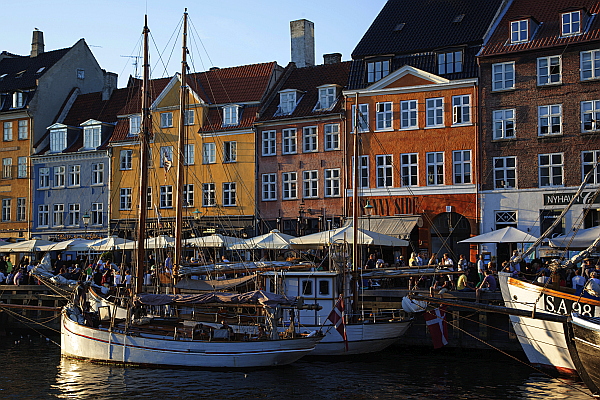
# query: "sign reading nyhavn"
{"points": [[562, 199]]}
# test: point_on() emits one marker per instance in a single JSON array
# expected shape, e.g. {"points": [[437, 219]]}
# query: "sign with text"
{"points": [[389, 206], [562, 199], [564, 306]]}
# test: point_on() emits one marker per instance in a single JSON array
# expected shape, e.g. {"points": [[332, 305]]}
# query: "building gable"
{"points": [[407, 76]]}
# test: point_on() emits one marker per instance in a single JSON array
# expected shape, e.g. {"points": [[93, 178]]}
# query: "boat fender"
{"points": [[313, 333], [413, 306]]}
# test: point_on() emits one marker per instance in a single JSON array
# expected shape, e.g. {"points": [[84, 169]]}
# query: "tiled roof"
{"points": [[548, 33], [245, 83], [29, 66], [307, 80], [428, 25], [214, 119]]}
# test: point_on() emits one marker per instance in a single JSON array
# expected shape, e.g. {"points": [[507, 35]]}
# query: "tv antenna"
{"points": [[135, 64]]}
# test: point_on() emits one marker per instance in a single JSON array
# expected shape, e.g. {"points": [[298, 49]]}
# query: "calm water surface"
{"points": [[33, 369]]}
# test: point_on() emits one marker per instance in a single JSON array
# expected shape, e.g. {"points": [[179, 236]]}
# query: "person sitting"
{"points": [[463, 284], [440, 287], [488, 284], [224, 259]]}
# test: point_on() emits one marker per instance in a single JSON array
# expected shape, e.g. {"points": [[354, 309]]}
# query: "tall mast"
{"points": [[181, 151], [355, 210], [144, 137]]}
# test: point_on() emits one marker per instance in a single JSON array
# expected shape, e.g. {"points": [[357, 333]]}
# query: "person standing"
{"points": [[480, 267], [462, 263], [168, 264]]}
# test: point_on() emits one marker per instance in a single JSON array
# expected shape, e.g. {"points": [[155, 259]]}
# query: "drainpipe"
{"points": [[30, 175], [108, 211]]}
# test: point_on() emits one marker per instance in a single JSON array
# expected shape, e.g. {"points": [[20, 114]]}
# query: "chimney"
{"points": [[332, 58], [303, 43], [37, 43], [110, 84]]}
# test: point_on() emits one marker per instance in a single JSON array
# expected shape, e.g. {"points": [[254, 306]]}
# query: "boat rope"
{"points": [[26, 321]]}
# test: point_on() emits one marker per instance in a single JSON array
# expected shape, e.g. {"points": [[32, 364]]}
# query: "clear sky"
{"points": [[222, 33]]}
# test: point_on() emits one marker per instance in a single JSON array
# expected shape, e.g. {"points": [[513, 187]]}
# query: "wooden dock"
{"points": [[27, 308]]}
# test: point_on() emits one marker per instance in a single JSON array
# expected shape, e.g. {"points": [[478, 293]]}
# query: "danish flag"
{"points": [[167, 164], [336, 316], [438, 327]]}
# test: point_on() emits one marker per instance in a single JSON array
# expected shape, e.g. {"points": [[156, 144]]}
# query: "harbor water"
{"points": [[32, 368]]}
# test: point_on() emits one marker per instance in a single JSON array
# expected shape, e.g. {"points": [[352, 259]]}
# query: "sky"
{"points": [[222, 33]]}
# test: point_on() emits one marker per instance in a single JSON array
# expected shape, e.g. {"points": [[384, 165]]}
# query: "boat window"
{"points": [[307, 289], [323, 287]]}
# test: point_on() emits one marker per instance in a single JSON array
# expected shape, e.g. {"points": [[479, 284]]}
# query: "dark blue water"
{"points": [[33, 369]]}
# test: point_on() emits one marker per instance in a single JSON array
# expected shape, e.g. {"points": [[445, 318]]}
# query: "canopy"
{"points": [[273, 240], [27, 246], [256, 297], [71, 245], [395, 226], [504, 235], [158, 242], [583, 239], [339, 235], [215, 240]]}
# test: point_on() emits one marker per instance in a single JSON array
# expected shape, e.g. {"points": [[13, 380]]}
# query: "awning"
{"points": [[396, 226]]}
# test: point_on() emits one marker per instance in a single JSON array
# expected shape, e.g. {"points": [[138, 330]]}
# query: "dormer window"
{"points": [[17, 99], [327, 96], [377, 70], [134, 124], [58, 140], [287, 101], [519, 31], [91, 137], [230, 115], [450, 62], [571, 23]]}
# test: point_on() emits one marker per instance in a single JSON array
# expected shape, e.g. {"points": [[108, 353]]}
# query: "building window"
{"points": [[289, 141], [311, 184], [189, 151], [229, 152], [461, 161], [126, 156], [550, 120], [230, 115], [58, 215], [287, 102], [149, 198], [98, 174], [44, 178], [125, 199], [289, 183], [332, 137], [18, 99], [384, 171], [408, 114], [383, 116], [43, 215], [506, 218], [208, 195], [504, 124], [97, 209], [590, 115], [23, 129], [269, 143], [135, 124], [590, 64], [332, 182], [503, 76], [7, 168], [450, 62], [435, 168], [188, 195], [377, 70], [91, 137], [6, 210], [189, 117], [21, 206], [571, 23], [461, 109], [505, 172], [309, 139], [547, 218], [549, 70], [551, 169], [7, 131], [229, 198], [73, 214], [269, 187], [59, 176], [363, 172], [363, 118], [409, 169], [166, 155], [74, 175], [209, 153], [326, 97], [166, 120], [80, 73], [435, 112], [58, 140], [166, 196], [589, 161], [519, 31]]}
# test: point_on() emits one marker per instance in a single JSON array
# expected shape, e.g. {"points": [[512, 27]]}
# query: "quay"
{"points": [[30, 307]]}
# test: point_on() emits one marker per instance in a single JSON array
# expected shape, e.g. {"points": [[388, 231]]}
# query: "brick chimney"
{"points": [[303, 42], [110, 84], [332, 58], [37, 43]]}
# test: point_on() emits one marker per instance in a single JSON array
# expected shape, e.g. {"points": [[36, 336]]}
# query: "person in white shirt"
{"points": [[480, 267], [462, 263], [127, 279], [117, 278], [578, 280]]}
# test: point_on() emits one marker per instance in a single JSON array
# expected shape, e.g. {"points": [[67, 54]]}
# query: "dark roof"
{"points": [[307, 80], [214, 119], [29, 66], [428, 25], [548, 33]]}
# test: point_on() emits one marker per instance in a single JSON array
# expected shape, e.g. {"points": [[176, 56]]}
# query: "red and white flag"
{"points": [[166, 164], [438, 327], [336, 316]]}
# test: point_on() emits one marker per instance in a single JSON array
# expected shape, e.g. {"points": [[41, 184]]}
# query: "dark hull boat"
{"points": [[583, 340]]}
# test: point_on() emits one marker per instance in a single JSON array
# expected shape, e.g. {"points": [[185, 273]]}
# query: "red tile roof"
{"points": [[548, 33], [214, 120]]}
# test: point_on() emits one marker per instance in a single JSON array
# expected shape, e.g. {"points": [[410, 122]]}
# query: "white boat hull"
{"points": [[83, 342], [543, 341]]}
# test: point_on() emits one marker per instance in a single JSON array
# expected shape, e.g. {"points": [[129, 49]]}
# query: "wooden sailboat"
{"points": [[583, 341]]}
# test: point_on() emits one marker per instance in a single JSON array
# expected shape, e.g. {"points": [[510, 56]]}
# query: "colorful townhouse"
{"points": [[412, 100], [540, 101], [33, 88]]}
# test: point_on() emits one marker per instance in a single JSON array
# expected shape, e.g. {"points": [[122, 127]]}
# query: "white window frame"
{"points": [[126, 160], [462, 168], [434, 178], [332, 182], [230, 152], [503, 170], [189, 117], [519, 31], [310, 184], [546, 70], [188, 195], [586, 165], [209, 198], [363, 171], [189, 152], [124, 199], [91, 137], [377, 70], [409, 169], [43, 216], [461, 109], [269, 187], [327, 97], [6, 206], [149, 202], [44, 181], [289, 139], [18, 99], [289, 185], [97, 211], [23, 129], [332, 136], [435, 112], [97, 174], [384, 170], [74, 175], [363, 117], [135, 124], [502, 120], [269, 143], [501, 76], [58, 140], [166, 119], [409, 114], [287, 101], [552, 168], [229, 194], [589, 64], [549, 114], [73, 219], [384, 116], [58, 215], [310, 139], [21, 209], [7, 131], [231, 115], [590, 114], [209, 153], [166, 196], [59, 176], [567, 23]]}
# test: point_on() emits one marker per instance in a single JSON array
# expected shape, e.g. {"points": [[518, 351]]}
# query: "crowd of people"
{"points": [[20, 274]]}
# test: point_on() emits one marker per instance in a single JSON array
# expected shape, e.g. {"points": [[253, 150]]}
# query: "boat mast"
{"points": [[144, 135], [181, 152], [355, 212]]}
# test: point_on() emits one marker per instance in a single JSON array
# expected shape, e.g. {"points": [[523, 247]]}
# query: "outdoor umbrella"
{"points": [[158, 242], [504, 235], [27, 246], [70, 245], [583, 239], [215, 240], [273, 240], [108, 244], [339, 235]]}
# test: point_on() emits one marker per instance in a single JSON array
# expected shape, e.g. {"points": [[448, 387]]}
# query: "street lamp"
{"points": [[86, 222], [368, 212]]}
